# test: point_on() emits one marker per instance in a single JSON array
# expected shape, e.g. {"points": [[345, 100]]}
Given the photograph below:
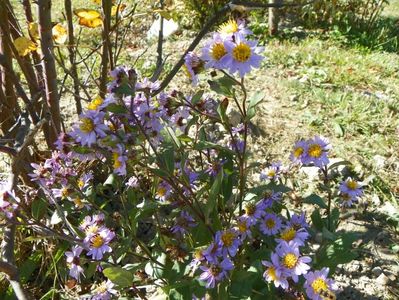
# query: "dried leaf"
{"points": [[88, 17], [33, 28], [114, 9], [60, 34], [24, 45]]}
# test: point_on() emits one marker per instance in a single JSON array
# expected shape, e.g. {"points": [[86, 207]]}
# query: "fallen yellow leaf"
{"points": [[24, 45], [60, 34]]}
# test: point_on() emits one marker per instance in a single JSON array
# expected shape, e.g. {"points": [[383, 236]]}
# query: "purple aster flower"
{"points": [[242, 55], [99, 103], [183, 222], [275, 272], [351, 187], [317, 152], [229, 241], [164, 191], [270, 224], [84, 180], [41, 174], [347, 200], [193, 65], [73, 261], [299, 152], [243, 228], [252, 213], [215, 167], [62, 193], [292, 261], [98, 244], [133, 182], [269, 197], [90, 128], [271, 173], [214, 51], [216, 272], [229, 28], [317, 283], [180, 118], [8, 201], [212, 253], [198, 258], [298, 221], [148, 85], [290, 233], [120, 75], [119, 160], [104, 291], [236, 145]]}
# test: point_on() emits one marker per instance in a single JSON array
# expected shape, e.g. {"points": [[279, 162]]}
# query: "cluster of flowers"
{"points": [[216, 260], [229, 49], [96, 243], [111, 128], [315, 152]]}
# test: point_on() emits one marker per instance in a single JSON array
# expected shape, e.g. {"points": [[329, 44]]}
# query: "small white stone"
{"points": [[382, 279]]}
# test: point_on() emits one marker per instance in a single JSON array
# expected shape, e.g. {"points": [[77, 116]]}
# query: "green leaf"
{"points": [[116, 108], [339, 129], [253, 102], [214, 193], [168, 159], [39, 207], [197, 97], [339, 163], [315, 199], [317, 220], [119, 276]]}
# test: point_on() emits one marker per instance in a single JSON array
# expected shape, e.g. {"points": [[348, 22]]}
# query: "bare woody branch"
{"points": [[50, 74]]}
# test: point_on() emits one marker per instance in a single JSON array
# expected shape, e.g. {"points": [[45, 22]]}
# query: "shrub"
{"points": [[147, 192]]}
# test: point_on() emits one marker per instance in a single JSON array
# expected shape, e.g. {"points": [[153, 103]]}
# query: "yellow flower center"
{"points": [[97, 241], [242, 226], [288, 234], [215, 270], [250, 209], [115, 157], [86, 125], [242, 52], [92, 229], [298, 152], [315, 150], [229, 27], [102, 288], [81, 183], [351, 184], [95, 103], [271, 271], [78, 202], [218, 51], [64, 192], [228, 238], [270, 223], [198, 254], [271, 173], [290, 260], [161, 191], [319, 285]]}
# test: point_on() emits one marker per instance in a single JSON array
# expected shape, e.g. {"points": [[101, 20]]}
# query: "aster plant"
{"points": [[150, 187]]}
